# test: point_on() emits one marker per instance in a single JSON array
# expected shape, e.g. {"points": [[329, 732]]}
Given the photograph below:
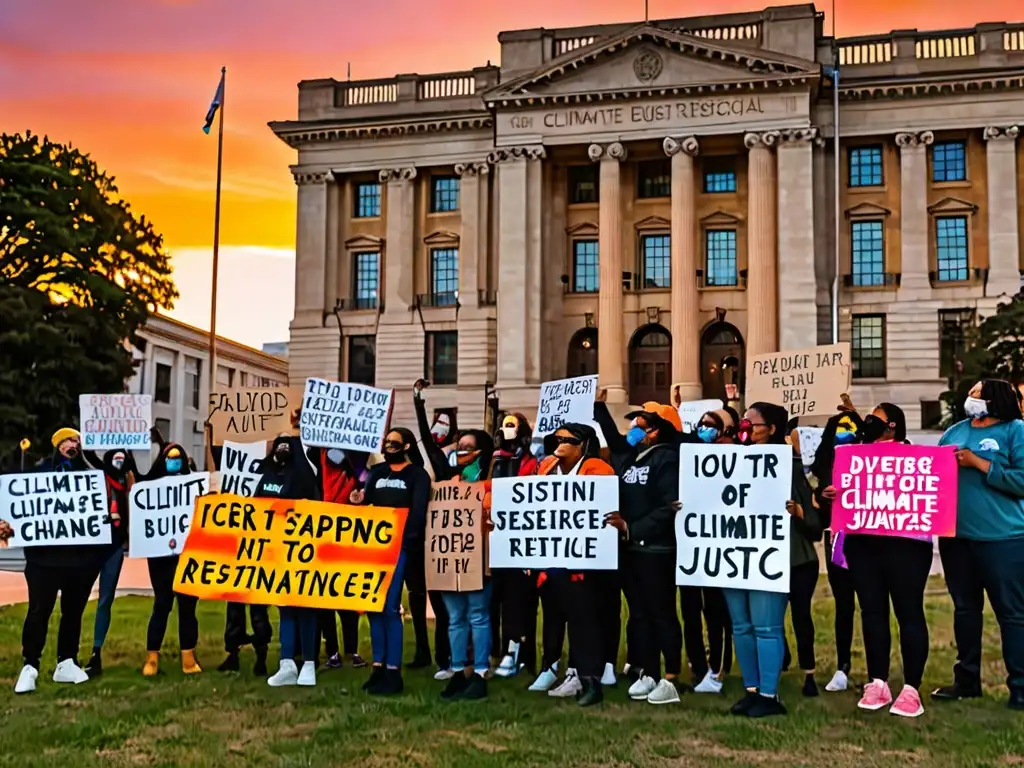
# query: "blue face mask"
{"points": [[635, 436], [173, 466], [537, 449], [707, 434], [843, 438]]}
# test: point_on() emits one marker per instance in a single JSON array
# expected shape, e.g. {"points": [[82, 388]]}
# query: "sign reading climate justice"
{"points": [[566, 401], [733, 529], [554, 522], [455, 538], [808, 382], [55, 508], [353, 417], [161, 513], [115, 421], [891, 489], [302, 554]]}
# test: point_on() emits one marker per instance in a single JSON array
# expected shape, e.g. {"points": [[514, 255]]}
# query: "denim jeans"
{"points": [[301, 622], [758, 635], [110, 573], [386, 626], [470, 612]]}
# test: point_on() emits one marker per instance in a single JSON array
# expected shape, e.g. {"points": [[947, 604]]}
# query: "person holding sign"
{"points": [[987, 555], [758, 615], [402, 484], [172, 461]]}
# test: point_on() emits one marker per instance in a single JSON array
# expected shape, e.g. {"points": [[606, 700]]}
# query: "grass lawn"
{"points": [[236, 720]]}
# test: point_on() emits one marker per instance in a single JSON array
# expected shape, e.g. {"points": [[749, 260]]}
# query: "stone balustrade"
{"points": [[908, 44]]}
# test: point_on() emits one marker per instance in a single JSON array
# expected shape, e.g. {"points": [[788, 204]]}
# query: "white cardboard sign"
{"points": [[565, 401], [115, 421], [240, 467], [48, 509], [161, 513], [353, 417], [691, 411]]}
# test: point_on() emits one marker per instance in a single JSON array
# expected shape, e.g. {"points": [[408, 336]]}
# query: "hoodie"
{"points": [[119, 484], [292, 479]]}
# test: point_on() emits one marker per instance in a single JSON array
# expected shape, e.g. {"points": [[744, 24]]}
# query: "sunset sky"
{"points": [[129, 82]]}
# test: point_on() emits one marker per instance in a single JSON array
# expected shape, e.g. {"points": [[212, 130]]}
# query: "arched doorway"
{"points": [[582, 353], [722, 362], [650, 364]]}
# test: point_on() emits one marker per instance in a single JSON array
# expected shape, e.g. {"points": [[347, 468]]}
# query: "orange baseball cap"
{"points": [[665, 413]]}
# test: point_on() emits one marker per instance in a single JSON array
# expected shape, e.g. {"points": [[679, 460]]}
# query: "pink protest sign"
{"points": [[890, 489]]}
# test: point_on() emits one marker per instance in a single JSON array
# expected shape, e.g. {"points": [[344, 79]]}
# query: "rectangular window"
{"points": [[163, 426], [442, 358], [444, 276], [949, 161], [866, 166], [867, 256], [585, 266], [583, 184], [365, 280], [953, 328], [367, 200], [720, 257], [162, 393], [719, 175], [193, 369], [867, 348], [362, 360], [444, 194], [951, 248], [656, 254], [654, 179]]}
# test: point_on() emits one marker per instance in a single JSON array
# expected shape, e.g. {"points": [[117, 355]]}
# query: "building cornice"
{"points": [[167, 328], [963, 82], [297, 134]]}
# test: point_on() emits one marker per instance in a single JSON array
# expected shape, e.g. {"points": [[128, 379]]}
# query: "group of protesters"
{"points": [[491, 633]]}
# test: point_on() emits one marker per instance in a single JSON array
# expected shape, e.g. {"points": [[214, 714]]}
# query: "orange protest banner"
{"points": [[302, 554]]}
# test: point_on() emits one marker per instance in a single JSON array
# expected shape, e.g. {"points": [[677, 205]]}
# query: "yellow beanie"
{"points": [[64, 434]]}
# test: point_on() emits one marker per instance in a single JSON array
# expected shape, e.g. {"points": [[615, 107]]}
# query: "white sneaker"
{"points": [[664, 693], [625, 669], [287, 674], [710, 684], [307, 676], [839, 682], [510, 663], [26, 680], [444, 674], [608, 678], [545, 680], [69, 672], [569, 687], [642, 688]]}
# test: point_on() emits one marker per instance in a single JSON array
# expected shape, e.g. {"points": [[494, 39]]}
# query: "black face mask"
{"points": [[874, 429], [282, 455], [394, 457]]}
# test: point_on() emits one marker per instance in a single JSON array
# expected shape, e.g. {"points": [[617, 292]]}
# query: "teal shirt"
{"points": [[990, 507]]}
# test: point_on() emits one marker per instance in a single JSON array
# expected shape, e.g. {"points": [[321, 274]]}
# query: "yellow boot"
{"points": [[189, 664], [152, 665]]}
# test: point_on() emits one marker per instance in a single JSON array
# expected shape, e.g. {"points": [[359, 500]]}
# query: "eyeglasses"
{"points": [[568, 440], [464, 449]]}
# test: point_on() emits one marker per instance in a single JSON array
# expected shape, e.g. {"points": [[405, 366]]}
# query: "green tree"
{"points": [[995, 350], [79, 274]]}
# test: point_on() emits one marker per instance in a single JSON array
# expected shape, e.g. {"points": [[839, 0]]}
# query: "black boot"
{"points": [[1016, 699], [957, 692], [230, 664], [376, 678], [391, 684], [95, 666], [593, 692], [810, 688], [476, 688], [766, 706], [743, 706], [456, 686], [260, 667], [420, 660]]}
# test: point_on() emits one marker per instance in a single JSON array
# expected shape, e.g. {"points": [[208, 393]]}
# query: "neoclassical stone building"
{"points": [[656, 202]]}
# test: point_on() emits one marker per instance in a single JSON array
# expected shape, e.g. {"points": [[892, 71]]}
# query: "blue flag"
{"points": [[218, 99]]}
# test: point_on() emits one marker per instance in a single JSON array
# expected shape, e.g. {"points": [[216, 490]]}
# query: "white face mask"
{"points": [[976, 408], [509, 433]]}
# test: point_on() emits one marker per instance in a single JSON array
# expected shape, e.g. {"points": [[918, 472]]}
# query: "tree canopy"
{"points": [[79, 274]]}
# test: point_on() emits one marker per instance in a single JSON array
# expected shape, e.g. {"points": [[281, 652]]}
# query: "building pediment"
{"points": [[867, 211], [647, 60], [720, 219], [583, 229], [364, 243], [951, 206], [442, 239], [654, 223]]}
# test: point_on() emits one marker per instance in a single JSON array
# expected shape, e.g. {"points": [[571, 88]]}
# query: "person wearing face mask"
{"points": [[718, 427], [119, 473], [70, 570], [646, 460], [841, 429], [758, 616], [438, 439], [987, 555], [172, 460]]}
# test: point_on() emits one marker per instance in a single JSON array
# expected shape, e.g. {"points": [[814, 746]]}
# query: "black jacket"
{"points": [[292, 480], [803, 533], [648, 486], [409, 488]]}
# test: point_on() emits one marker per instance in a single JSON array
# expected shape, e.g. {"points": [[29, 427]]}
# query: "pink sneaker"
{"points": [[908, 703], [876, 696]]}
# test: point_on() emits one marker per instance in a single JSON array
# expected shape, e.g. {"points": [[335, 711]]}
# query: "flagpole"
{"points": [[216, 265]]}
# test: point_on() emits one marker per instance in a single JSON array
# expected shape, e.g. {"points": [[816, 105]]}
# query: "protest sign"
{"points": [[302, 554], [252, 415], [554, 522], [115, 421], [48, 509], [733, 529], [810, 439], [455, 542], [892, 489], [353, 417], [808, 382], [566, 401], [691, 411], [161, 513], [240, 467]]}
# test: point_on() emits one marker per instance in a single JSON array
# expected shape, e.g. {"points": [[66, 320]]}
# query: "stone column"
{"points": [[1003, 210], [610, 366], [685, 296], [398, 266], [310, 249], [762, 273], [797, 287], [914, 282], [473, 234], [331, 242]]}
